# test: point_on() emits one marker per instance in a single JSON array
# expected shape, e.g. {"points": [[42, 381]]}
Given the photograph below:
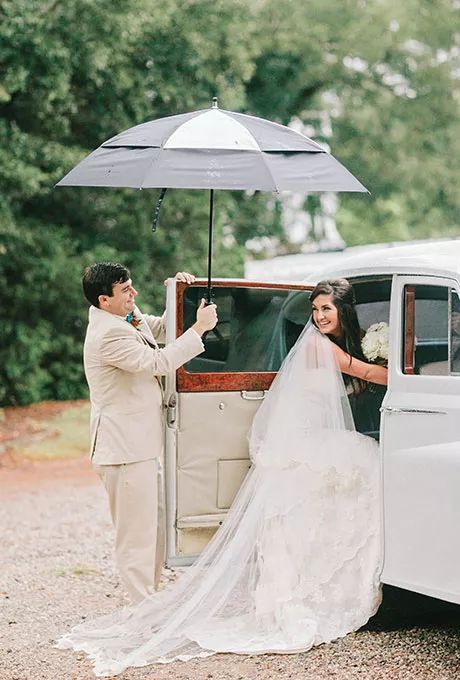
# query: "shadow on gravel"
{"points": [[402, 609]]}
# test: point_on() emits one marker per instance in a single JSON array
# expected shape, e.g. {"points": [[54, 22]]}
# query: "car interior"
{"points": [[258, 326]]}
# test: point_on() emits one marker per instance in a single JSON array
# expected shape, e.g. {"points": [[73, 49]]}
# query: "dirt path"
{"points": [[57, 569]]}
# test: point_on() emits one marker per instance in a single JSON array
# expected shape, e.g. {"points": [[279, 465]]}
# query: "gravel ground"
{"points": [[57, 569]]}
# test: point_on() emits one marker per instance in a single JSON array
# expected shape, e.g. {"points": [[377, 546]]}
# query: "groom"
{"points": [[123, 365]]}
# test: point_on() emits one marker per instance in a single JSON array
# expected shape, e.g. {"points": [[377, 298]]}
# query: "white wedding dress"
{"points": [[297, 560]]}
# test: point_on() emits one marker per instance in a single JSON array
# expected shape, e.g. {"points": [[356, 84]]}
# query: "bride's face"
{"points": [[326, 315]]}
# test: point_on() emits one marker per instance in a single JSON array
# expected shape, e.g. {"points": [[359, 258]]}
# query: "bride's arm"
{"points": [[360, 369]]}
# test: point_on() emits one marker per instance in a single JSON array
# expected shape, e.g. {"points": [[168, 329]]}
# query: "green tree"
{"points": [[376, 80], [73, 74]]}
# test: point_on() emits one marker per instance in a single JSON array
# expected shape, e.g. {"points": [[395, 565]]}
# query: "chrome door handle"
{"points": [[247, 395], [395, 409], [171, 411]]}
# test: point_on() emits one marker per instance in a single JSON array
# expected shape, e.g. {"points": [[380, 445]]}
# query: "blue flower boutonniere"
{"points": [[132, 319]]}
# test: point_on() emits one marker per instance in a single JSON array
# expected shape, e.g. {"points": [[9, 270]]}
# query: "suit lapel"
{"points": [[144, 330]]}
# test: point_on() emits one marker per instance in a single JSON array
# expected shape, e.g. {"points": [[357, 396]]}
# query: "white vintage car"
{"points": [[213, 398]]}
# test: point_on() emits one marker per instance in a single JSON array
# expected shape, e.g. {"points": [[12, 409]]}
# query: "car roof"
{"points": [[429, 258]]}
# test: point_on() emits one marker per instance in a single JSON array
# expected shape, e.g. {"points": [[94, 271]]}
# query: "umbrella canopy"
{"points": [[212, 149]]}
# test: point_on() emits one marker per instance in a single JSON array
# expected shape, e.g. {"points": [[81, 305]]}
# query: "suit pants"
{"points": [[135, 493]]}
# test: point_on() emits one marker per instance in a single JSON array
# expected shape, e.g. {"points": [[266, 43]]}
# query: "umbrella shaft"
{"points": [[211, 220]]}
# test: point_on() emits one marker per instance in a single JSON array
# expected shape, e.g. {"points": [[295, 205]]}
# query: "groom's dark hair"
{"points": [[100, 277]]}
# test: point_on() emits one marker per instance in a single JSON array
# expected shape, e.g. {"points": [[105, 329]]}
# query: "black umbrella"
{"points": [[212, 149]]}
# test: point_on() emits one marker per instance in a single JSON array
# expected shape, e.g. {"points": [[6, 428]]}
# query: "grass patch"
{"points": [[78, 571], [63, 435]]}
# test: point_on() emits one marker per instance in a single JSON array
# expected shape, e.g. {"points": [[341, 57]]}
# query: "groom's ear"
{"points": [[103, 299]]}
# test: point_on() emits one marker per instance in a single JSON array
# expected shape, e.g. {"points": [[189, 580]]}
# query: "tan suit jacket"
{"points": [[122, 370]]}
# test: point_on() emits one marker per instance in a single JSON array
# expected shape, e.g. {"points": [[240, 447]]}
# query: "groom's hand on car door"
{"points": [[182, 277]]}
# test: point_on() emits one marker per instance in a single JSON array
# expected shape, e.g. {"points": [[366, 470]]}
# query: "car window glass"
{"points": [[257, 327], [373, 312], [430, 339], [454, 333], [372, 300]]}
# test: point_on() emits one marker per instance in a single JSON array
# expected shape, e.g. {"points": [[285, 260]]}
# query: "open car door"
{"points": [[421, 439], [212, 400]]}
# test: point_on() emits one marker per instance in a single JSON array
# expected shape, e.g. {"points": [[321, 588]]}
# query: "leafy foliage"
{"points": [[377, 80]]}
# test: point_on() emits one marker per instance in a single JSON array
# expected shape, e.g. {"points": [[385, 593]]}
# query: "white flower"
{"points": [[375, 342]]}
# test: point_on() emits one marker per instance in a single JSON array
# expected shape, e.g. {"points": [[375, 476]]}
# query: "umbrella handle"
{"points": [[214, 330]]}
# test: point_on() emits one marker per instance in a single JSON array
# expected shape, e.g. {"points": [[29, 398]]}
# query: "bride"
{"points": [[296, 562]]}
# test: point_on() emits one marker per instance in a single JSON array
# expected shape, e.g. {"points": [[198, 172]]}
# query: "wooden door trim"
{"points": [[225, 382], [409, 330]]}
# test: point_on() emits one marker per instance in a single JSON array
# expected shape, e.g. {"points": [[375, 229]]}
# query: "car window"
{"points": [[432, 330], [256, 329], [372, 300], [373, 312], [454, 333]]}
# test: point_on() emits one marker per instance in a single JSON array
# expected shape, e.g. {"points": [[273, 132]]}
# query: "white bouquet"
{"points": [[375, 342]]}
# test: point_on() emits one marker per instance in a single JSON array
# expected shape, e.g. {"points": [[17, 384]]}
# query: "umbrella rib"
{"points": [[152, 163], [270, 173], [130, 146]]}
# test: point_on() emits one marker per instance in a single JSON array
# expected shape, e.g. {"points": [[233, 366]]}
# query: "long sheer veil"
{"points": [[307, 396], [270, 579]]}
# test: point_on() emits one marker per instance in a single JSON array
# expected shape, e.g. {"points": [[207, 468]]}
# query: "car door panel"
{"points": [[421, 444], [212, 429], [422, 553], [213, 399]]}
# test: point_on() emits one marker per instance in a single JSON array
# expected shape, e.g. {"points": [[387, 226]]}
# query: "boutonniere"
{"points": [[133, 319]]}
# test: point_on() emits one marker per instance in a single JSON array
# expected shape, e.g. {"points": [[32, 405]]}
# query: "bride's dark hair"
{"points": [[343, 298]]}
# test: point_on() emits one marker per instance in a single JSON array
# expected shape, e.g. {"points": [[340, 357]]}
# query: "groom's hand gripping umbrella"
{"points": [[212, 149]]}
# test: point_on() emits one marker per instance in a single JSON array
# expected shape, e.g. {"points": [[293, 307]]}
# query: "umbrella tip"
{"points": [[215, 103]]}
